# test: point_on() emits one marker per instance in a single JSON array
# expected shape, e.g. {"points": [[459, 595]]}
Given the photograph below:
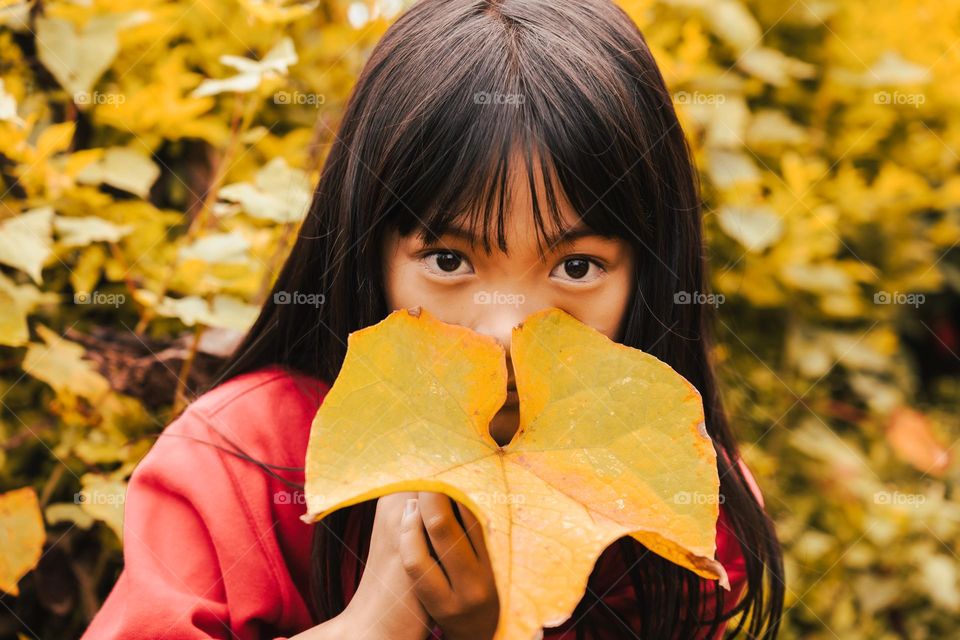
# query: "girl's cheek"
{"points": [[604, 309]]}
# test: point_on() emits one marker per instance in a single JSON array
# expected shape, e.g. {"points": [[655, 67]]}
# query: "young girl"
{"points": [[496, 158]]}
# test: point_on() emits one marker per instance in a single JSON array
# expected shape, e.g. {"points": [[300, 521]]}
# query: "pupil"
{"points": [[448, 261], [576, 267]]}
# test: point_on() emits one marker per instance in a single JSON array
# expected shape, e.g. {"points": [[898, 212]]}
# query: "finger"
{"points": [[448, 538], [429, 583], [475, 532]]}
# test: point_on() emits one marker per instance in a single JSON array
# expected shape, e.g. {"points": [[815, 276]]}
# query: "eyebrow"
{"points": [[565, 237]]}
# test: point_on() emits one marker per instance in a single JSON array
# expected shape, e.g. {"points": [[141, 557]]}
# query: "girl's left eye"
{"points": [[578, 269], [446, 263]]}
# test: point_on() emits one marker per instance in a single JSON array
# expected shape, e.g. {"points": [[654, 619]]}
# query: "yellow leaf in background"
{"points": [[14, 331], [727, 120], [86, 271], [774, 67], [881, 396], [76, 161], [15, 14], [77, 59], [217, 248], [733, 23], [103, 498], [162, 107], [938, 573], [21, 536], [279, 11], [889, 69], [252, 72], [611, 442], [17, 301], [224, 311], [123, 169], [770, 128], [60, 364], [54, 139], [8, 107], [730, 169], [79, 232], [25, 241], [756, 228], [280, 193], [68, 512], [817, 278]]}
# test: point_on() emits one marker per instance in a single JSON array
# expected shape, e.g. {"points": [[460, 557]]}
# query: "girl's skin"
{"points": [[589, 277]]}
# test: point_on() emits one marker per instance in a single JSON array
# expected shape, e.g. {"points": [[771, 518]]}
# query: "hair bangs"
{"points": [[473, 190]]}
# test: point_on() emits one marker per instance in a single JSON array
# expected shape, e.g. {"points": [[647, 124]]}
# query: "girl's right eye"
{"points": [[446, 263]]}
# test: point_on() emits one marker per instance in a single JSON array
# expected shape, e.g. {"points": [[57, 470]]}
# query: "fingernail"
{"points": [[411, 507]]}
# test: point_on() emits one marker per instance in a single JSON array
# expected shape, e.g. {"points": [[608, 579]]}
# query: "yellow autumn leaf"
{"points": [[124, 169], [279, 11], [103, 498], [60, 363], [75, 58], [21, 536], [18, 300], [611, 442], [54, 139], [25, 241]]}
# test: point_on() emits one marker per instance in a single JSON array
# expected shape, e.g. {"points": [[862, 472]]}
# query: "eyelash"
{"points": [[431, 252]]}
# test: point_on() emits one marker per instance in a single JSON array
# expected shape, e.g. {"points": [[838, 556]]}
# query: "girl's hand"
{"points": [[458, 591], [385, 605]]}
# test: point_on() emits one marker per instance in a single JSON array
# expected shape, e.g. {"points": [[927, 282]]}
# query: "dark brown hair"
{"points": [[449, 91]]}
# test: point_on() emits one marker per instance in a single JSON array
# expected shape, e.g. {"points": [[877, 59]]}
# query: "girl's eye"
{"points": [[446, 263], [578, 269]]}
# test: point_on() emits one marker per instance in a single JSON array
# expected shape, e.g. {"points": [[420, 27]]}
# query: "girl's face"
{"points": [[586, 275]]}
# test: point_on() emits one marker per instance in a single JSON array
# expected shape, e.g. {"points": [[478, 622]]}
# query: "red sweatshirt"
{"points": [[214, 547]]}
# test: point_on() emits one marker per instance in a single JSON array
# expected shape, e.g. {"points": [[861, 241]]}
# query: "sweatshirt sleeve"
{"points": [[194, 566]]}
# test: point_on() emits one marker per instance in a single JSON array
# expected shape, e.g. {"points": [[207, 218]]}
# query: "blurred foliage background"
{"points": [[156, 159]]}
